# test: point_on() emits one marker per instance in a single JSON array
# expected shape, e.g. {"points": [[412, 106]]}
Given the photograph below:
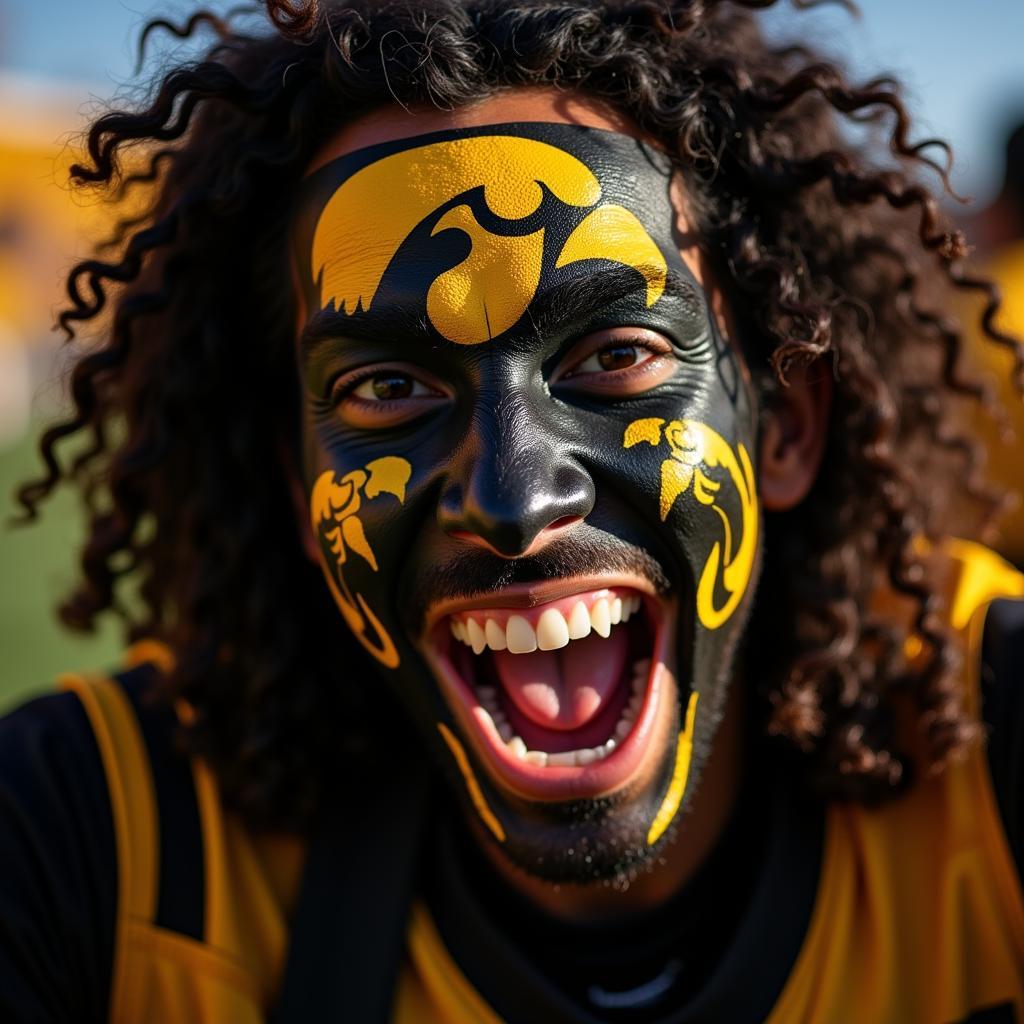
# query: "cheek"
{"points": [[706, 496], [348, 512]]}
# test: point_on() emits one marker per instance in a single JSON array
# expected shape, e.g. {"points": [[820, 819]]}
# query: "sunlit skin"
{"points": [[374, 396]]}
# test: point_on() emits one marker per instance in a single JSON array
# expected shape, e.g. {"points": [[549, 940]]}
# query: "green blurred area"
{"points": [[37, 566]]}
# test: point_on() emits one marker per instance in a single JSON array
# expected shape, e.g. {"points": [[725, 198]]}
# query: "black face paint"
{"points": [[450, 280]]}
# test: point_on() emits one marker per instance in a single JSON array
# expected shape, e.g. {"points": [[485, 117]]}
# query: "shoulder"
{"points": [[72, 766], [51, 772], [153, 801], [58, 884], [47, 736], [986, 605], [1002, 695]]}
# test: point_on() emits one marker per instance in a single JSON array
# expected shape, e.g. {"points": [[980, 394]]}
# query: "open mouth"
{"points": [[560, 697]]}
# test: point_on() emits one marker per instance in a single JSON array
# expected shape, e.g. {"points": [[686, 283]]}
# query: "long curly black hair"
{"points": [[809, 196]]}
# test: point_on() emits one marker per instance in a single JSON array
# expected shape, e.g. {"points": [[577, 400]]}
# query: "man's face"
{"points": [[529, 466]]}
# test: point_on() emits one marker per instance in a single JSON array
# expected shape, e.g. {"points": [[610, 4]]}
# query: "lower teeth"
{"points": [[488, 697]]}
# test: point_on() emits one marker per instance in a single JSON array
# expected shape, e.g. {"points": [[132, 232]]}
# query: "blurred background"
{"points": [[62, 61]]}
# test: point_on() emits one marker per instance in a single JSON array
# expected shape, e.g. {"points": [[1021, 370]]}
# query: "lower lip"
{"points": [[551, 784]]}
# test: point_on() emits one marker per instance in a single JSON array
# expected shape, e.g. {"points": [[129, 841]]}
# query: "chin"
{"points": [[569, 721]]}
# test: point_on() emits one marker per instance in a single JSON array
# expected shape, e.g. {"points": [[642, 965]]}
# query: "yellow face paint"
{"points": [[485, 294], [366, 221], [334, 511], [695, 448], [680, 773], [608, 233], [475, 793]]}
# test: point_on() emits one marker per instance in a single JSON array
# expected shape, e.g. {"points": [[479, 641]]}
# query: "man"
{"points": [[575, 359]]}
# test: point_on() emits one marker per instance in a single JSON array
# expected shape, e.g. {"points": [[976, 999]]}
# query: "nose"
{"points": [[512, 487]]}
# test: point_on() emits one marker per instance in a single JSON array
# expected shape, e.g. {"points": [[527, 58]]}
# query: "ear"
{"points": [[300, 504], [793, 434]]}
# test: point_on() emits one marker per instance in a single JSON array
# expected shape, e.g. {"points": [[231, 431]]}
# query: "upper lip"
{"points": [[529, 595]]}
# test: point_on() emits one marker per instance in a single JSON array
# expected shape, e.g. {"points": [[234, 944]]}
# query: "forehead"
{"points": [[467, 227]]}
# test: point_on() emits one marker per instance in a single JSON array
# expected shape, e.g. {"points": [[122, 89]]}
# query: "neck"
{"points": [[709, 811]]}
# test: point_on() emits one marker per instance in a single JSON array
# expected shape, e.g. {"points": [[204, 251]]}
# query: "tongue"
{"points": [[564, 689]]}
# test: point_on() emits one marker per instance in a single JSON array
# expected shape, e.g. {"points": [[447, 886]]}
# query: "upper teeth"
{"points": [[552, 631]]}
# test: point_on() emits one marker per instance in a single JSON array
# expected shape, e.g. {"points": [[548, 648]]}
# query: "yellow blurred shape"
{"points": [[45, 225]]}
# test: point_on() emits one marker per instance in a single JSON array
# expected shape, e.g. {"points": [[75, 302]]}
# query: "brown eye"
{"points": [[617, 357], [386, 396], [617, 363], [389, 386]]}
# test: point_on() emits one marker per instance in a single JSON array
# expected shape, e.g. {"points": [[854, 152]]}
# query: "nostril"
{"points": [[561, 524]]}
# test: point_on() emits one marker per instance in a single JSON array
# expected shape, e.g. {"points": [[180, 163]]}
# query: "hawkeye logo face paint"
{"points": [[680, 773], [334, 508], [502, 194], [473, 787], [696, 449]]}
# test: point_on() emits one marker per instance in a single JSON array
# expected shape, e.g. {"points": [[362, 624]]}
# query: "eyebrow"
{"points": [[559, 308], [328, 324], [554, 310]]}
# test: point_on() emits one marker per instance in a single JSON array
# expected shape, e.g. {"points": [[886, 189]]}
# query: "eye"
{"points": [[390, 386], [385, 396], [614, 357], [618, 362]]}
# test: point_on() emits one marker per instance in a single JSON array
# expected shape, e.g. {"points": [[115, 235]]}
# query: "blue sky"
{"points": [[963, 62]]}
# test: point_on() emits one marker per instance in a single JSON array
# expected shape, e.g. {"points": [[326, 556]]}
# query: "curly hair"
{"points": [[810, 201]]}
